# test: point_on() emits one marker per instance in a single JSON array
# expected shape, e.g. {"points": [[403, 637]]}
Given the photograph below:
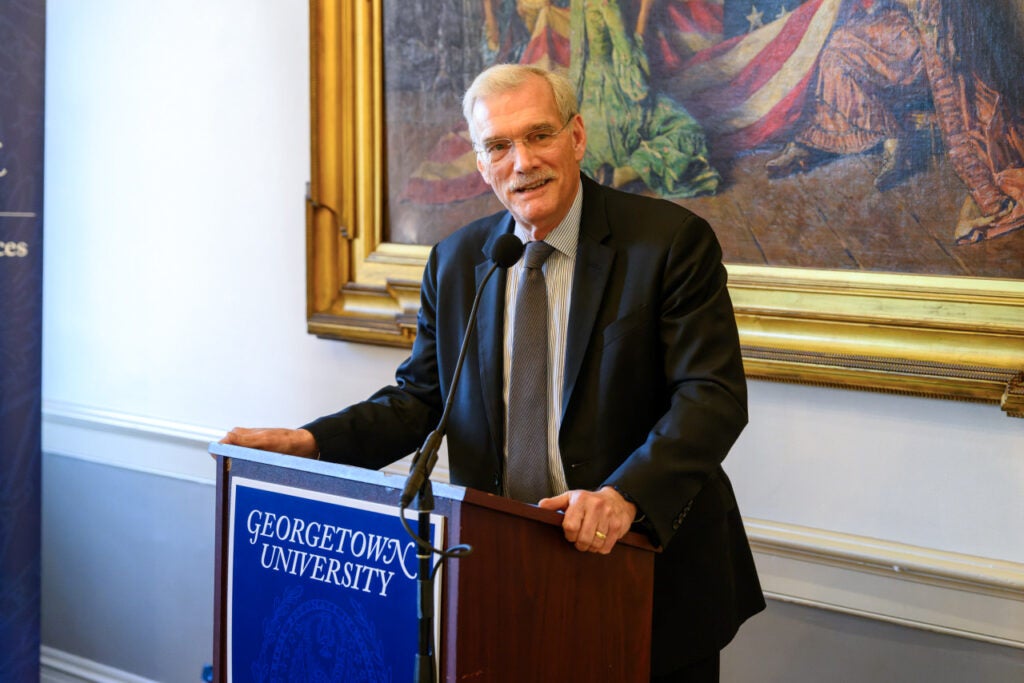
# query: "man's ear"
{"points": [[579, 138]]}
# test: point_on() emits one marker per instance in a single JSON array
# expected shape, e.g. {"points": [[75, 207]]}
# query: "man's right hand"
{"points": [[298, 442]]}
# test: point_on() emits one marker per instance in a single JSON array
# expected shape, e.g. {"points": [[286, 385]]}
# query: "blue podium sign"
{"points": [[320, 587]]}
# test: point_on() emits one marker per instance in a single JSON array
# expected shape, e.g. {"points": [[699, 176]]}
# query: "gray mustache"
{"points": [[523, 182]]}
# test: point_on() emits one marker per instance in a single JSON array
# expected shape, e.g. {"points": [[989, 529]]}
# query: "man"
{"points": [[646, 391]]}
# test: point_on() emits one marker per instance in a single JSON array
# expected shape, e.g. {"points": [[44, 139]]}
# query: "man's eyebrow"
{"points": [[534, 129]]}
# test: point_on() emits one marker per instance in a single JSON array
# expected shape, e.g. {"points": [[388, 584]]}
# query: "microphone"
{"points": [[507, 250]]}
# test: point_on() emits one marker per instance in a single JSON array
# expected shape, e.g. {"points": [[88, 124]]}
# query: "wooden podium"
{"points": [[525, 605]]}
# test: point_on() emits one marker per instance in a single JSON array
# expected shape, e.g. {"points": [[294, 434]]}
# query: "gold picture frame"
{"points": [[945, 337]]}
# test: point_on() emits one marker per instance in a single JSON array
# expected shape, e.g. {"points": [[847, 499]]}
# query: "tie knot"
{"points": [[536, 253]]}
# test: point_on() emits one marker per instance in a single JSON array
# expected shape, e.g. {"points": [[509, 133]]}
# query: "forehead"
{"points": [[516, 111]]}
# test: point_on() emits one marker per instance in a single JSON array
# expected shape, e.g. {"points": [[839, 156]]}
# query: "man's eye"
{"points": [[498, 146], [539, 136]]}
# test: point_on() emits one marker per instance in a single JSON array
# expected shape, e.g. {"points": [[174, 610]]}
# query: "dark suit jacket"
{"points": [[654, 397]]}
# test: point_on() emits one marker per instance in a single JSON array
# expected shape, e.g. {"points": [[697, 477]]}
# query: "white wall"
{"points": [[937, 474], [177, 153]]}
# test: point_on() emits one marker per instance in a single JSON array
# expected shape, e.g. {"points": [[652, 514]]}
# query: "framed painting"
{"points": [[862, 162]]}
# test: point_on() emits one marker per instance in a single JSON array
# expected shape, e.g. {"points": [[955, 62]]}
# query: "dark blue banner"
{"points": [[321, 588], [22, 59]]}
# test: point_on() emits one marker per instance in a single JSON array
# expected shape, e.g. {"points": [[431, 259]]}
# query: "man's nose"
{"points": [[522, 155]]}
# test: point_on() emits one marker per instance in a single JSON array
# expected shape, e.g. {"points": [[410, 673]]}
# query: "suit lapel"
{"points": [[593, 266], [491, 337]]}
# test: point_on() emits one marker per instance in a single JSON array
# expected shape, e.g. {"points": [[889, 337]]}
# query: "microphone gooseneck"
{"points": [[505, 252]]}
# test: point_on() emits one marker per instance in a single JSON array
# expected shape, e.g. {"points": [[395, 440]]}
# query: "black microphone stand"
{"points": [[418, 488], [423, 501], [425, 667]]}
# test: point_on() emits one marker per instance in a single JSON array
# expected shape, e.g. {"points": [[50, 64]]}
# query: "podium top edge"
{"points": [[330, 469], [378, 478]]}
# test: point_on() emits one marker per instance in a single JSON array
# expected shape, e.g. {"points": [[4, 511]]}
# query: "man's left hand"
{"points": [[594, 520]]}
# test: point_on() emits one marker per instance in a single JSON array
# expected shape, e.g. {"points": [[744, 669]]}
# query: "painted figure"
{"points": [[635, 132], [870, 91], [893, 72]]}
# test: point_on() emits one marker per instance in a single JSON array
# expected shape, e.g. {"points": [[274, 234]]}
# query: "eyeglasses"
{"points": [[538, 139]]}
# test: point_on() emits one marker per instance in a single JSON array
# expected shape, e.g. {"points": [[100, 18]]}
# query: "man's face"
{"points": [[537, 186]]}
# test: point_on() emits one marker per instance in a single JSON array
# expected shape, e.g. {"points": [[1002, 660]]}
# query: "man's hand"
{"points": [[594, 521], [298, 442]]}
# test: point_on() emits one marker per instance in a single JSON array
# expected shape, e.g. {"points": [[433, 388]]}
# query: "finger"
{"points": [[601, 542], [607, 544], [587, 537], [248, 437], [607, 521], [232, 436], [559, 502], [574, 517], [596, 541], [593, 521]]}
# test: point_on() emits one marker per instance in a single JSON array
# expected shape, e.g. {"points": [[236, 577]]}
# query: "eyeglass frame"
{"points": [[482, 150]]}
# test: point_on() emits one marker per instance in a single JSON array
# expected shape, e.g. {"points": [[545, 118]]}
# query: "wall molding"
{"points": [[939, 568], [147, 444], [132, 442], [57, 666], [935, 590], [944, 592], [111, 420]]}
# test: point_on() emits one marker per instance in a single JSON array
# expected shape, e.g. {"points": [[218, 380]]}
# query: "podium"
{"points": [[313, 573]]}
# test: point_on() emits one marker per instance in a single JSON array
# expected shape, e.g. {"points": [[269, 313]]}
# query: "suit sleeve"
{"points": [[676, 469], [395, 420]]}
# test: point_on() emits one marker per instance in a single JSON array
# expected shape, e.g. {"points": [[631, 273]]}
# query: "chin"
{"points": [[531, 213]]}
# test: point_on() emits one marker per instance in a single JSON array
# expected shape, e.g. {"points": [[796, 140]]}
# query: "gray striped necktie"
{"points": [[526, 472]]}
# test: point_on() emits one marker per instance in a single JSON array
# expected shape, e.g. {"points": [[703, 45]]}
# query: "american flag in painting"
{"points": [[741, 67], [744, 16], [748, 90]]}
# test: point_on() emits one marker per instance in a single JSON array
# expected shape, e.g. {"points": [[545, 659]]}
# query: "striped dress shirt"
{"points": [[558, 270]]}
